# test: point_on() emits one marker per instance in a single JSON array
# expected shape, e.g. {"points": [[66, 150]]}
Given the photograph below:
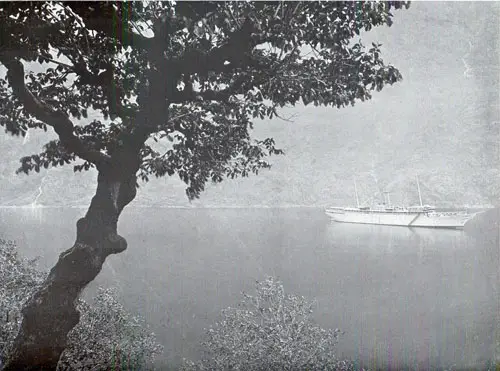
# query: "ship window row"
{"points": [[383, 211]]}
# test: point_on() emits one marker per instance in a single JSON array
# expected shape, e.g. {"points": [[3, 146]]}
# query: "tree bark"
{"points": [[51, 313]]}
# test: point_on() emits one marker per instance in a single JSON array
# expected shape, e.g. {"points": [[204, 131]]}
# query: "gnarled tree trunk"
{"points": [[51, 313]]}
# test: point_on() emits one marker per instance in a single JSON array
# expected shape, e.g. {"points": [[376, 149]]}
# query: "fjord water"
{"points": [[417, 299]]}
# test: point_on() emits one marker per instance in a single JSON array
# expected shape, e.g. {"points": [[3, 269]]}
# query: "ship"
{"points": [[424, 216]]}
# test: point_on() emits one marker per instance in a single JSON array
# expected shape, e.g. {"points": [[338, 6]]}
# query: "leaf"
{"points": [[210, 138]]}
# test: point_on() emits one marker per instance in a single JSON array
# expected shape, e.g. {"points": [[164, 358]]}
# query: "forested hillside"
{"points": [[441, 122]]}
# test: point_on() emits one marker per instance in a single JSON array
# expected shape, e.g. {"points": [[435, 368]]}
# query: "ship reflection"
{"points": [[377, 239], [413, 296]]}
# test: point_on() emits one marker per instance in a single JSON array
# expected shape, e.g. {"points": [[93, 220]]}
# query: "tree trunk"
{"points": [[51, 313]]}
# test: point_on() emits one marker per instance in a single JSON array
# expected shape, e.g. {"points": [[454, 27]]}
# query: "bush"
{"points": [[19, 280], [107, 337], [269, 331]]}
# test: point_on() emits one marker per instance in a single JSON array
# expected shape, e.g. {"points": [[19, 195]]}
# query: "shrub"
{"points": [[107, 337], [19, 279], [269, 331]]}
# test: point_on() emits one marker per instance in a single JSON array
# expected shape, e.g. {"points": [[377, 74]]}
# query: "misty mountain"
{"points": [[440, 123]]}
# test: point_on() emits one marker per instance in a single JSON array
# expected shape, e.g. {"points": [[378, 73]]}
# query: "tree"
{"points": [[271, 330], [107, 337], [190, 74]]}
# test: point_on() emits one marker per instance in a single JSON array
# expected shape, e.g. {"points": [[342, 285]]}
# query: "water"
{"points": [[422, 299]]}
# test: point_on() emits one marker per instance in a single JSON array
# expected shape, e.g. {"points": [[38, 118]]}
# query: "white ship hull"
{"points": [[433, 219], [413, 216]]}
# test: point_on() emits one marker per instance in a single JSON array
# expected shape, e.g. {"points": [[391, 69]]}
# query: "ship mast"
{"points": [[387, 198], [419, 194], [356, 191]]}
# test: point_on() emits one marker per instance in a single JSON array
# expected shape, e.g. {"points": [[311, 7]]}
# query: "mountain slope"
{"points": [[441, 122]]}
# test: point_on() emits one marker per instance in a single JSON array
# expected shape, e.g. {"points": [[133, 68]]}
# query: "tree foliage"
{"points": [[271, 330], [18, 281], [107, 337], [141, 89], [180, 81]]}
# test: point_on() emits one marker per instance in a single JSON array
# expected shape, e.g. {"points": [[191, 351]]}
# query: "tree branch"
{"points": [[185, 96], [102, 16], [235, 51], [189, 95], [57, 119]]}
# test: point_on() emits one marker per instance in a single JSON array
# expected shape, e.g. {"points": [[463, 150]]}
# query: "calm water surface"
{"points": [[422, 299]]}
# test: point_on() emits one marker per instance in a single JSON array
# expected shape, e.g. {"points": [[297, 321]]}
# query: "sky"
{"points": [[440, 123]]}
